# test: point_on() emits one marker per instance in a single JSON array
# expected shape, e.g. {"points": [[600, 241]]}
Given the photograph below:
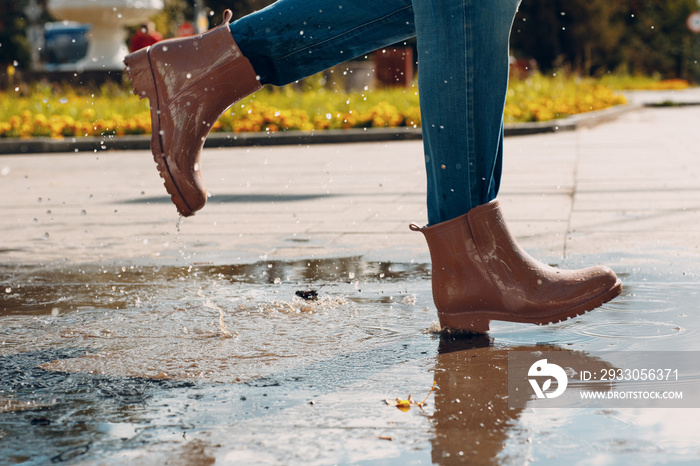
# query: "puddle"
{"points": [[631, 329], [107, 364], [219, 324]]}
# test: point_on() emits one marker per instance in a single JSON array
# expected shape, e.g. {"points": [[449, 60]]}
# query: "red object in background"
{"points": [[186, 29], [144, 37], [394, 66]]}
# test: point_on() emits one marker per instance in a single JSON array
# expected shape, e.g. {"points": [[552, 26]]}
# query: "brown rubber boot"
{"points": [[481, 274], [189, 82]]}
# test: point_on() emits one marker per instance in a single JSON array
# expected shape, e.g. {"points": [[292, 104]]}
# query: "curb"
{"points": [[42, 145], [571, 123]]}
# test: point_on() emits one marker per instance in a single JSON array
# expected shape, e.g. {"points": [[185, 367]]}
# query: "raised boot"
{"points": [[480, 274], [189, 82]]}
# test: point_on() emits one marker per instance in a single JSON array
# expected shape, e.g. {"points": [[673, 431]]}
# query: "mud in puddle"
{"points": [[290, 362]]}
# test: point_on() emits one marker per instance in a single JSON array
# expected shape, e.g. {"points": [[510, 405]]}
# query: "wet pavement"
{"points": [[273, 325]]}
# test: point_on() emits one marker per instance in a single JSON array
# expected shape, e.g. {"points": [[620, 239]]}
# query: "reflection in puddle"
{"points": [[160, 363]]}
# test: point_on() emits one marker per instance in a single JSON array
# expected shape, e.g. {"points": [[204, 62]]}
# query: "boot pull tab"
{"points": [[228, 14], [415, 227]]}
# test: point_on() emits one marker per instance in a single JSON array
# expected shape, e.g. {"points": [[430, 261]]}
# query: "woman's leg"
{"points": [[479, 272], [463, 78], [292, 39]]}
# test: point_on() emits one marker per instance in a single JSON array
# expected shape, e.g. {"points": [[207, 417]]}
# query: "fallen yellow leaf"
{"points": [[405, 405]]}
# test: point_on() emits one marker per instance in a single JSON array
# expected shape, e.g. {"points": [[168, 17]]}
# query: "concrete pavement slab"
{"points": [[560, 192]]}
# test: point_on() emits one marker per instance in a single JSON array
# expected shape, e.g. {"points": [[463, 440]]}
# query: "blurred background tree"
{"points": [[578, 33], [596, 36], [657, 38], [13, 41]]}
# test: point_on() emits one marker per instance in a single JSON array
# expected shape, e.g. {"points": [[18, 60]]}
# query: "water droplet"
{"points": [[8, 290], [278, 281], [45, 236], [189, 75], [165, 48], [63, 100], [83, 212]]}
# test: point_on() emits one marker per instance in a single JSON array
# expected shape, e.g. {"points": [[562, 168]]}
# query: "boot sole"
{"points": [[478, 322], [140, 72]]}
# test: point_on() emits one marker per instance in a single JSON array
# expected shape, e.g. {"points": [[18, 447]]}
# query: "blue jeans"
{"points": [[462, 75]]}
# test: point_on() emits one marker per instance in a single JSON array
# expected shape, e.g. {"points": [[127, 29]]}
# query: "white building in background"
{"points": [[106, 37]]}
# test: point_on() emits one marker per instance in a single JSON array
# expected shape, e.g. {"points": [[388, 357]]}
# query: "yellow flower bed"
{"points": [[623, 82], [540, 98], [287, 109], [112, 111], [44, 111]]}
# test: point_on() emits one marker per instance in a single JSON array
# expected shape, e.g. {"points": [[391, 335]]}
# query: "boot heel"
{"points": [[467, 322], [138, 67]]}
